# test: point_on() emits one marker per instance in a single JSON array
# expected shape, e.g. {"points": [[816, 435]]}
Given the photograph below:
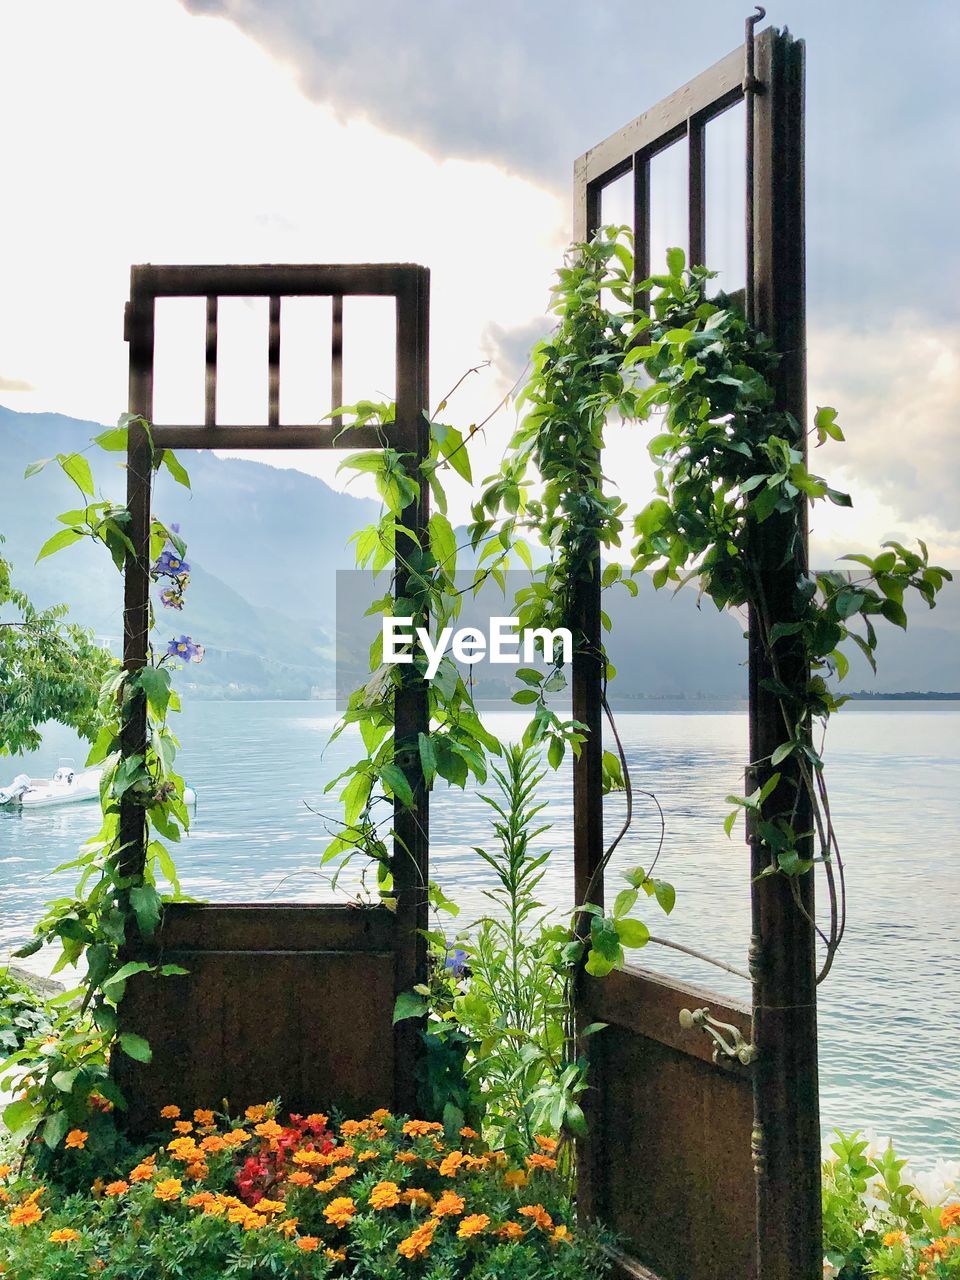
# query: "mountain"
{"points": [[265, 543]]}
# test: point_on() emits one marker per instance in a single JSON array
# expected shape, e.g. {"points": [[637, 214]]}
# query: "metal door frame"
{"points": [[409, 285], [769, 73]]}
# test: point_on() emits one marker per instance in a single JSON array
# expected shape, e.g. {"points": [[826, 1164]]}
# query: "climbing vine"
{"points": [[63, 1077]]}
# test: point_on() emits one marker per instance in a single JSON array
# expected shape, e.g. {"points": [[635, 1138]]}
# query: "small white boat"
{"points": [[65, 787]]}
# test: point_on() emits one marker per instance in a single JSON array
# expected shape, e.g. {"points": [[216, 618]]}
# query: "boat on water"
{"points": [[67, 786]]}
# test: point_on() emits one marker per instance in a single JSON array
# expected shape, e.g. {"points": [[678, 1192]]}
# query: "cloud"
{"points": [[531, 86], [15, 384]]}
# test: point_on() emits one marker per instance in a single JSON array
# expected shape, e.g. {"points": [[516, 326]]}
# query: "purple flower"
{"points": [[169, 565], [456, 962], [172, 597], [185, 649]]}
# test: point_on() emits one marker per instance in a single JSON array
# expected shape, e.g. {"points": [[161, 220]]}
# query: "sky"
{"points": [[441, 133]]}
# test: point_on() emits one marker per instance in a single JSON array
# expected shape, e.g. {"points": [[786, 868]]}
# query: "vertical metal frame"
{"points": [[785, 1139], [409, 285]]}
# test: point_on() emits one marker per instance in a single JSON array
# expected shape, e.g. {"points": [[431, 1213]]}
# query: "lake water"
{"points": [[889, 1025]]}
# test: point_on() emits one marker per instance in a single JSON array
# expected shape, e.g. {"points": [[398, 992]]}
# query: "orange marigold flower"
{"points": [[212, 1144], [26, 1214], [538, 1214], [300, 1178], [77, 1139], [950, 1216], [201, 1199], [184, 1126], [309, 1244], [474, 1224], [5, 1169], [316, 1120], [335, 1255], [366, 1155], [549, 1145], [449, 1203], [288, 1227], [214, 1208], [203, 1117], [143, 1173], [381, 1113], [418, 1242], [198, 1170], [895, 1237], [561, 1234], [270, 1206], [468, 1133], [344, 1152], [405, 1157], [168, 1189], [511, 1231], [515, 1178], [385, 1195], [117, 1188], [937, 1250], [309, 1157], [96, 1186], [351, 1128], [418, 1197], [339, 1211], [256, 1114], [170, 1113], [537, 1161], [236, 1137], [419, 1128], [451, 1163], [269, 1129], [65, 1235]]}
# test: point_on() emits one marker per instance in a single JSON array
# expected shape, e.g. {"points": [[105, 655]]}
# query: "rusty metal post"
{"points": [[786, 1135], [139, 331], [411, 870]]}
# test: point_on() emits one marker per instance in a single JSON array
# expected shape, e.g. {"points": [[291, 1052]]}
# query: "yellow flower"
{"points": [[270, 1206], [77, 1139], [895, 1237], [473, 1225], [203, 1118], [309, 1157], [366, 1155], [168, 1189], [64, 1236], [117, 1188], [170, 1113], [538, 1214], [309, 1244], [26, 1214], [380, 1114], [288, 1227], [561, 1234], [537, 1161], [339, 1211], [515, 1178], [385, 1195], [418, 1242], [5, 1169], [335, 1255], [256, 1114], [449, 1203]]}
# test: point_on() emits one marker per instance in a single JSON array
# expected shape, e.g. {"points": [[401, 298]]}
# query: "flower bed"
{"points": [[253, 1197]]}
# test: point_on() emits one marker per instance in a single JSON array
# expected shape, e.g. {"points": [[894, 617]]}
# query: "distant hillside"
{"points": [[265, 543]]}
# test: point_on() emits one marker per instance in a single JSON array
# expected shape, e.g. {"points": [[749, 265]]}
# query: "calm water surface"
{"points": [[889, 1030]]}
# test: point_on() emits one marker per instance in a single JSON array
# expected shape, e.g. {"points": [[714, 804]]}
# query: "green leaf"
{"points": [[632, 933], [784, 750], [64, 538], [55, 1129], [396, 780], [19, 1115], [113, 440], [676, 261], [428, 757], [625, 902], [77, 468], [409, 1005], [126, 971], [135, 1047], [176, 468], [525, 696], [145, 902]]}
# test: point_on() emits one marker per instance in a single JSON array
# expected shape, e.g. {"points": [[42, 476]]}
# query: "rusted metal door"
{"points": [[708, 1167], [285, 999]]}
